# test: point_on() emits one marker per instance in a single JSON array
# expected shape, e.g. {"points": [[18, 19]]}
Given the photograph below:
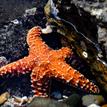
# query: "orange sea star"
{"points": [[44, 63]]}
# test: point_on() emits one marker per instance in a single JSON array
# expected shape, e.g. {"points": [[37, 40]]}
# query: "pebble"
{"points": [[105, 105], [4, 97], [20, 101], [45, 102], [73, 101], [30, 11], [3, 61], [93, 105], [92, 99]]}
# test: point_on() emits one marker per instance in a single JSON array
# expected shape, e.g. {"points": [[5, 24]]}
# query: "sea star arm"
{"points": [[40, 81], [21, 66], [32, 35], [62, 53], [62, 70]]}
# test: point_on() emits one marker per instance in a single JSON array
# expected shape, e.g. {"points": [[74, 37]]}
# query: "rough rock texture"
{"points": [[88, 16], [97, 9], [13, 9], [75, 26]]}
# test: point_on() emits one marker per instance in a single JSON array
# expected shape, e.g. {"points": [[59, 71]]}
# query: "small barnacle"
{"points": [[85, 54]]}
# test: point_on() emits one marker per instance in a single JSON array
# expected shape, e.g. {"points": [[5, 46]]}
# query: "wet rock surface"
{"points": [[13, 46], [97, 9], [83, 39]]}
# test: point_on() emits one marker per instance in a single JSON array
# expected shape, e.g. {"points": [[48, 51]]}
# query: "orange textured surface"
{"points": [[44, 63]]}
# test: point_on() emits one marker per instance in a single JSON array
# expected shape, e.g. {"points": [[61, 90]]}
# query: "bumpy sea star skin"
{"points": [[44, 63]]}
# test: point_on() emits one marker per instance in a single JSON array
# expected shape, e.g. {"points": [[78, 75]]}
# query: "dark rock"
{"points": [[73, 101], [10, 10], [98, 9]]}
